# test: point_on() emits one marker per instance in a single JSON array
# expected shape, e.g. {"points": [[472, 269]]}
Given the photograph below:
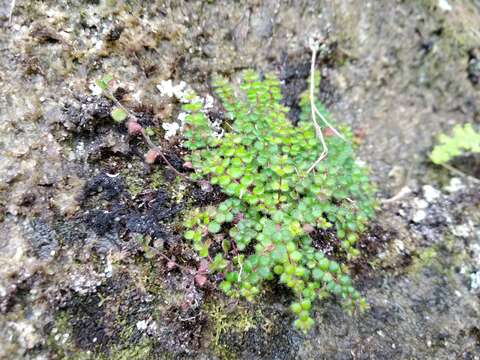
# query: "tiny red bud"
{"points": [[203, 267], [205, 186], [200, 280], [134, 128], [185, 305], [171, 264], [151, 156], [269, 248], [328, 132], [187, 165]]}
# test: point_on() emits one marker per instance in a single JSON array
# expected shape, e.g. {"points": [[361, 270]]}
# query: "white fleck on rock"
{"points": [[84, 283], [208, 104], [430, 193], [475, 249], [26, 334], [181, 117], [420, 203], [444, 5], [171, 129], [108, 268], [142, 325], [455, 185], [463, 230], [399, 245], [167, 89], [475, 281], [95, 89], [360, 163], [419, 216]]}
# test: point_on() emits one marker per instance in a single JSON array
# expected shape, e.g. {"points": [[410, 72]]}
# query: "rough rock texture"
{"points": [[91, 261]]}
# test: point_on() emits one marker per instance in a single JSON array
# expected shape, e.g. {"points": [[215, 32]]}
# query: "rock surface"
{"points": [[91, 261]]}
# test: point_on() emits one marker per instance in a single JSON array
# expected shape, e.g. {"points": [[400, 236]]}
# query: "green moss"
{"points": [[156, 179], [60, 340], [224, 322], [141, 350], [429, 257], [459, 31], [134, 182]]}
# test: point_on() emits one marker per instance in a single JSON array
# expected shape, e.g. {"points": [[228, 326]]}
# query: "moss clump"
{"points": [[60, 340], [277, 198], [225, 322], [141, 350]]}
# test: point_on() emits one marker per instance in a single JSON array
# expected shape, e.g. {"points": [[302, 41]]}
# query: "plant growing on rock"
{"points": [[464, 139], [279, 194]]}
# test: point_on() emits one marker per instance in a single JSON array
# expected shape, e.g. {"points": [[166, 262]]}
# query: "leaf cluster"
{"points": [[463, 139], [274, 203]]}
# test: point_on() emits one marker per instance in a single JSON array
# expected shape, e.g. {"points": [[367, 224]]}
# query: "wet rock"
{"points": [[473, 68], [43, 239], [115, 33], [392, 74], [87, 114], [110, 186]]}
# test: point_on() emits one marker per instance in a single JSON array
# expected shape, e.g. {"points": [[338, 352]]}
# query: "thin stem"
{"points": [[145, 136], [461, 173], [314, 46], [404, 191], [318, 130], [324, 119], [167, 258]]}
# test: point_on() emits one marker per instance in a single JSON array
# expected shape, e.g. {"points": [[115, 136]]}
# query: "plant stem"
{"points": [[145, 136], [314, 46], [461, 173]]}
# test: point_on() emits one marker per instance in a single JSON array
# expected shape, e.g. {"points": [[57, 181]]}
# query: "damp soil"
{"points": [[92, 262]]}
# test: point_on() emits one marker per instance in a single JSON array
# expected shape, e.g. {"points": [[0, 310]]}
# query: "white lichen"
{"points": [[455, 185], [170, 129], [95, 89], [475, 281], [185, 94], [167, 89], [430, 193], [444, 5]]}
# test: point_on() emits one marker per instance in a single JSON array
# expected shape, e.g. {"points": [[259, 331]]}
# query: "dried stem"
{"points": [[461, 173], [314, 46]]}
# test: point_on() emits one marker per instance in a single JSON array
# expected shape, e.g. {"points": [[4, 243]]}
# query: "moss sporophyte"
{"points": [[276, 201]]}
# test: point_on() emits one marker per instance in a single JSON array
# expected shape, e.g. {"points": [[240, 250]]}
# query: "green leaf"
{"points": [[296, 308], [103, 82], [235, 172], [118, 115], [214, 227], [203, 252], [189, 235]]}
